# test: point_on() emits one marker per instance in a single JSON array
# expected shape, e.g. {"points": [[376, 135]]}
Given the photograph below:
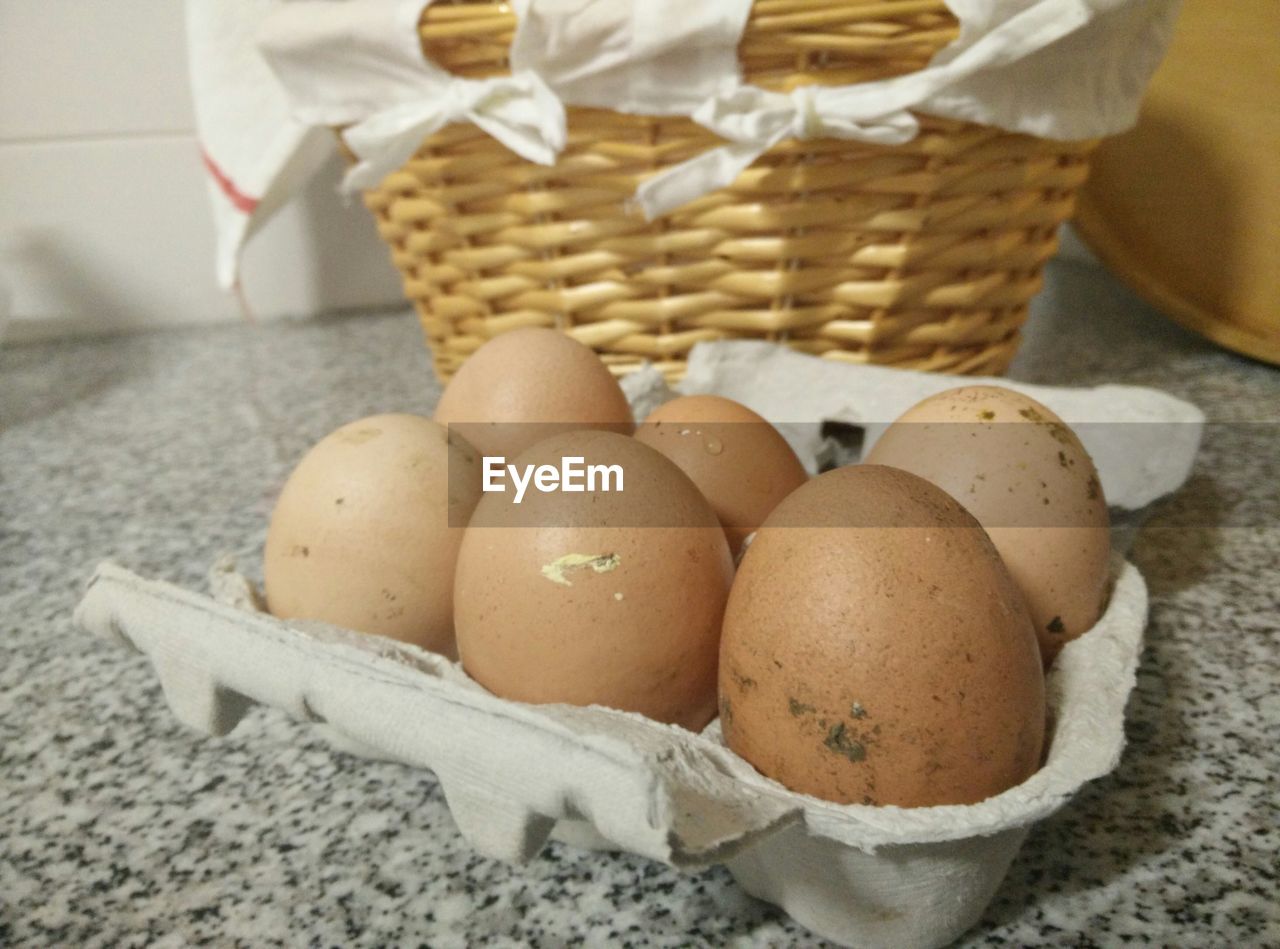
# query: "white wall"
{"points": [[104, 218]]}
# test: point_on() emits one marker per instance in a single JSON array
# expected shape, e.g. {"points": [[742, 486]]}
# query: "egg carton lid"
{"points": [[1142, 441]]}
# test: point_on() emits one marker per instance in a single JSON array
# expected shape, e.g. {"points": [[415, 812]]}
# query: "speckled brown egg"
{"points": [[608, 598], [1022, 472], [876, 650], [739, 462], [526, 385], [361, 536]]}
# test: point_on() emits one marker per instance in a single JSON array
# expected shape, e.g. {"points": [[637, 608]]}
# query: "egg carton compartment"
{"points": [[856, 874], [852, 873]]}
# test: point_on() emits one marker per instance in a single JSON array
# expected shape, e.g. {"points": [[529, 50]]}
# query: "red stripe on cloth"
{"points": [[239, 200]]}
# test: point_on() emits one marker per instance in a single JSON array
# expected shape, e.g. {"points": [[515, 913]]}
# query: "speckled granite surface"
{"points": [[118, 827]]}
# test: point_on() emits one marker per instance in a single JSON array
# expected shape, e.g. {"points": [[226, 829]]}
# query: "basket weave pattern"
{"points": [[923, 255]]}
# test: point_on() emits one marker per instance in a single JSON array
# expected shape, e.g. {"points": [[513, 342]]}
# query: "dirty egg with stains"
{"points": [[608, 599], [876, 650], [1023, 473], [739, 462], [360, 535]]}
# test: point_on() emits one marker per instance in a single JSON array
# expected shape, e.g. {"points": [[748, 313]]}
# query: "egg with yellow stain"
{"points": [[604, 597]]}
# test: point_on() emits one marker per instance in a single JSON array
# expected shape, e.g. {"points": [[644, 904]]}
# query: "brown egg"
{"points": [[1024, 475], [361, 534], [529, 384], [876, 651], [738, 460], [608, 597]]}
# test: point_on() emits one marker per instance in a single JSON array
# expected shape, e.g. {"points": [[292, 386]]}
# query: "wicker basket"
{"points": [[923, 255]]}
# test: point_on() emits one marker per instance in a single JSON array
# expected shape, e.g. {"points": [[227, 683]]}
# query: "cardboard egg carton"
{"points": [[856, 874]]}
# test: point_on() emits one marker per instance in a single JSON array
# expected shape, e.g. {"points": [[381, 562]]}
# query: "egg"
{"points": [[1028, 480], [526, 385], [604, 597], [876, 650], [739, 462], [361, 535]]}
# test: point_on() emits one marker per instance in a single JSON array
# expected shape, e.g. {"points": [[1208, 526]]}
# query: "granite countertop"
{"points": [[120, 827]]}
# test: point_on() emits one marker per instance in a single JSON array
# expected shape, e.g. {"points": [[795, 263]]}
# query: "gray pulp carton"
{"points": [[515, 774]]}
